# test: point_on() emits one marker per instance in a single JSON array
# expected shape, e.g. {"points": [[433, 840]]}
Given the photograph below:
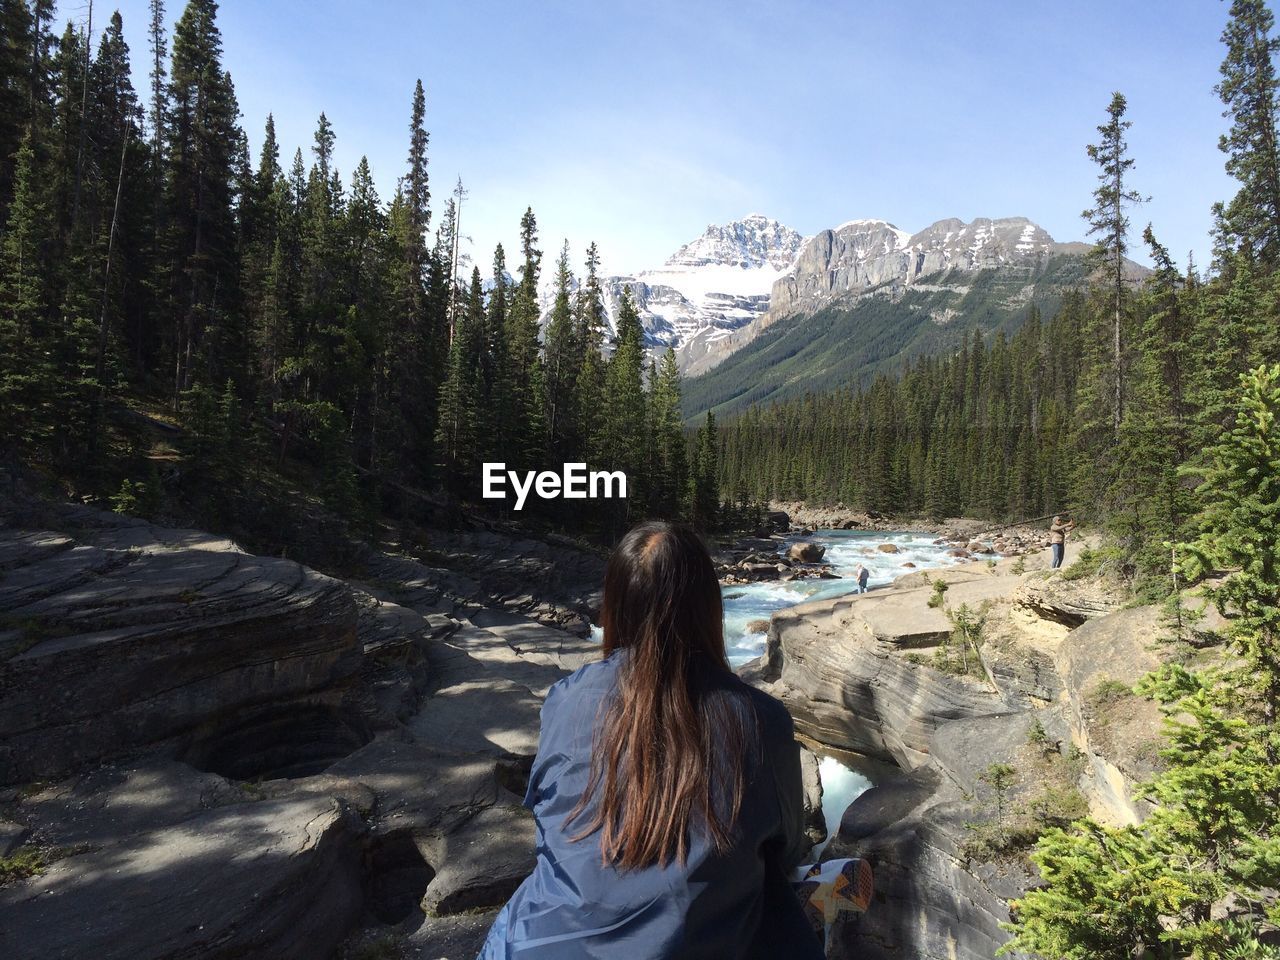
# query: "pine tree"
{"points": [[204, 141], [668, 476], [562, 363], [417, 341], [625, 443], [527, 382], [1107, 219], [1249, 90], [589, 332], [458, 435], [704, 494], [25, 371], [364, 281], [1151, 503], [15, 45]]}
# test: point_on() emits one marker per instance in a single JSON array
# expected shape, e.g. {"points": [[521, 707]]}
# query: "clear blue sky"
{"points": [[638, 123]]}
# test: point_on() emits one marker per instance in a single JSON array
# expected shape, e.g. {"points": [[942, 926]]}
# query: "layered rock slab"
{"points": [[107, 647], [276, 878]]}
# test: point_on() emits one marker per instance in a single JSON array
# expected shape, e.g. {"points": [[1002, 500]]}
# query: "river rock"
{"points": [[928, 905], [889, 548], [758, 626], [815, 824], [1118, 731], [12, 836], [759, 571], [777, 519], [806, 551], [840, 665], [482, 862]]}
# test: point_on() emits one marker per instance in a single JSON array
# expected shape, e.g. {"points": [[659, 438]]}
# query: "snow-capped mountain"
{"points": [[874, 257], [711, 285], [866, 253], [718, 292]]}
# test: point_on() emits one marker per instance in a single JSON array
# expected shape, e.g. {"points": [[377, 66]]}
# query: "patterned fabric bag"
{"points": [[833, 889]]}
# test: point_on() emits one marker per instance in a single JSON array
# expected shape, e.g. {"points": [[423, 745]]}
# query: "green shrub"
{"points": [[1036, 734], [939, 592], [22, 863], [1094, 562]]}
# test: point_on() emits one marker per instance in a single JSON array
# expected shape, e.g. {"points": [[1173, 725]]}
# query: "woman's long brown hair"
{"points": [[671, 746]]}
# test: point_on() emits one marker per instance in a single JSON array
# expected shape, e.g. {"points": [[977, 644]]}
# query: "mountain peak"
{"points": [[752, 242]]}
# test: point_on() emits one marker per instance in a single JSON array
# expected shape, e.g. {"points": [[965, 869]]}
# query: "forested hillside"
{"points": [[849, 342]]}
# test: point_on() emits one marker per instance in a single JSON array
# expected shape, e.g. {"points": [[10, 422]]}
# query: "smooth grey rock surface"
{"points": [[268, 879]]}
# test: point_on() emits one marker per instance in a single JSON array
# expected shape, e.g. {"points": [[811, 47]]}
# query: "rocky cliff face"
{"points": [[1045, 694], [875, 258], [867, 253]]}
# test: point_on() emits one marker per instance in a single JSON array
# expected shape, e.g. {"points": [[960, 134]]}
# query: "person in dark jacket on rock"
{"points": [[666, 792]]}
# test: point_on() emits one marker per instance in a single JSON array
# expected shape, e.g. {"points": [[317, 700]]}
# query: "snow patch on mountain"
{"points": [[713, 284]]}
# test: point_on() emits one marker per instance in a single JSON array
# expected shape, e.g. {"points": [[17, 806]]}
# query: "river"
{"points": [[844, 777], [846, 549]]}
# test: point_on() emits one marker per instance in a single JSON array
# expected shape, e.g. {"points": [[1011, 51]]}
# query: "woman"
{"points": [[666, 791]]}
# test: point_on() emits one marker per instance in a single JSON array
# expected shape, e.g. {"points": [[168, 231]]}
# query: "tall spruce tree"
{"points": [[1249, 89], [668, 477], [1108, 221], [528, 385], [204, 139], [589, 327], [25, 334], [459, 436], [562, 354], [15, 116], [624, 435]]}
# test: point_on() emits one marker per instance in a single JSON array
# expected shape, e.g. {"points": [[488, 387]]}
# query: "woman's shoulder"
{"points": [[775, 719], [590, 678]]}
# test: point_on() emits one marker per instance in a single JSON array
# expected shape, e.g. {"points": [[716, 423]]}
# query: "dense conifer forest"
{"points": [[283, 320]]}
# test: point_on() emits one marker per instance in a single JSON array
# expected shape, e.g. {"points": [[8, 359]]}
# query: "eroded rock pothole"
{"points": [[281, 743], [395, 878]]}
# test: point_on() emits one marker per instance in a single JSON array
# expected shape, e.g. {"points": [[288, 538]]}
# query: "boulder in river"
{"points": [[889, 548], [758, 626], [758, 571], [805, 551]]}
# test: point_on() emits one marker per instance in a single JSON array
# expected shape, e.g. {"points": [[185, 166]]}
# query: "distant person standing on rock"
{"points": [[863, 576], [1058, 538]]}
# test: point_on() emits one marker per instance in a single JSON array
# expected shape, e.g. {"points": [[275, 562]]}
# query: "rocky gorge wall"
{"points": [[879, 674]]}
